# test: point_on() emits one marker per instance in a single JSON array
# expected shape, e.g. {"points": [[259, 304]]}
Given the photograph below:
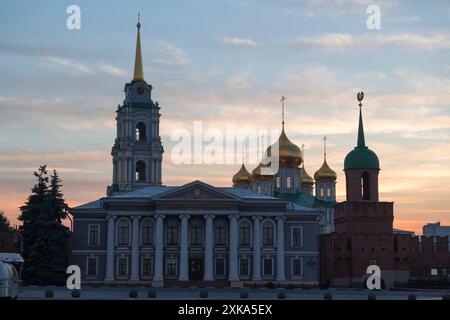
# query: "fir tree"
{"points": [[31, 216], [5, 226], [46, 239]]}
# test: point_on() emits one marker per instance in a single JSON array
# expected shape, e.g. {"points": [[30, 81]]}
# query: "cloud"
{"points": [[431, 41], [173, 56], [245, 42], [114, 71], [71, 67]]}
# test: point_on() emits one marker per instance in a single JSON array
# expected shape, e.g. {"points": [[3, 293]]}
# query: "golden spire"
{"points": [[138, 69], [283, 98]]}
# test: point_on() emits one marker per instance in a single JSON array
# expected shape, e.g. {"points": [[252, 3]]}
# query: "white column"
{"points": [[159, 248], [209, 245], [257, 248], [233, 274], [184, 242], [135, 249], [280, 249], [109, 276]]}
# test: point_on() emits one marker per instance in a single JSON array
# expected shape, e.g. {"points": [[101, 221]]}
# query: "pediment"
{"points": [[196, 190]]}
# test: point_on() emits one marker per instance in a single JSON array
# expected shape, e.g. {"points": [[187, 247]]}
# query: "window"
{"points": [[92, 266], [288, 182], [93, 237], [244, 233], [140, 132], [122, 266], [297, 267], [328, 192], [220, 266], [259, 189], [123, 233], [268, 231], [171, 266], [277, 182], [147, 266], [322, 194], [140, 171], [268, 266], [172, 233], [196, 233], [147, 233], [296, 240], [365, 186], [220, 233], [244, 266]]}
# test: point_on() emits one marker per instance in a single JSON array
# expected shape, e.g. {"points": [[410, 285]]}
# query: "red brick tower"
{"points": [[363, 225]]}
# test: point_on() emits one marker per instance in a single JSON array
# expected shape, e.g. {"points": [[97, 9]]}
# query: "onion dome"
{"points": [[361, 157], [259, 173], [289, 153], [242, 177], [325, 173], [306, 179]]}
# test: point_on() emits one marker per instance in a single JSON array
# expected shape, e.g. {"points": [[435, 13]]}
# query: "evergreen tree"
{"points": [[31, 216], [5, 226], [46, 239], [54, 237]]}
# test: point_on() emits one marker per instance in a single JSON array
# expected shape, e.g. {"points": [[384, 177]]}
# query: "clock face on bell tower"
{"points": [[140, 90]]}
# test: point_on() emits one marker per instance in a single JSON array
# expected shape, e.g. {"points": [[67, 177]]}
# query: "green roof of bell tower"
{"points": [[361, 157]]}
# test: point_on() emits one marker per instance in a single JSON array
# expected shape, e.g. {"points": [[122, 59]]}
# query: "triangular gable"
{"points": [[196, 190]]}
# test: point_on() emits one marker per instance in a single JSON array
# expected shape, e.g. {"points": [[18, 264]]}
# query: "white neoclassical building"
{"points": [[145, 232]]}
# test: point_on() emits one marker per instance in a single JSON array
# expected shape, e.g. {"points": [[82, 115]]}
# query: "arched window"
{"points": [[196, 233], [259, 188], [220, 233], [147, 232], [140, 132], [268, 233], [322, 194], [288, 182], [328, 192], [123, 233], [140, 171], [244, 233], [172, 232], [277, 182], [365, 186]]}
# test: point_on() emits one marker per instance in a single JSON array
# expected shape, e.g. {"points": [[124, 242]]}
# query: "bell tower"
{"points": [[137, 150]]}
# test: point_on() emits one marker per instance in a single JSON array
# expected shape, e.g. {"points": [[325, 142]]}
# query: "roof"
{"points": [[361, 157], [306, 200], [154, 191]]}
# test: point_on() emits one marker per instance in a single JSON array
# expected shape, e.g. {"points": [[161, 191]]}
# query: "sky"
{"points": [[227, 63]]}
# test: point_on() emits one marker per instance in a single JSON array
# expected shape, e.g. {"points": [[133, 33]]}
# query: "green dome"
{"points": [[361, 158]]}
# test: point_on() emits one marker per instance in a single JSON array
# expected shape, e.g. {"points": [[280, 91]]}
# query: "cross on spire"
{"points": [[325, 146], [283, 98]]}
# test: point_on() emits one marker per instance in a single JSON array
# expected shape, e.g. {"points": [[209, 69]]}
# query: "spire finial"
{"points": [[361, 139], [138, 69], [243, 152], [283, 98], [325, 147]]}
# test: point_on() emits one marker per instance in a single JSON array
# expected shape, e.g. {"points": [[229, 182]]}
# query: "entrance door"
{"points": [[195, 269]]}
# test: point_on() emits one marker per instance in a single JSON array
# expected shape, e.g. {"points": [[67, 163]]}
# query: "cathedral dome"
{"points": [[290, 154], [242, 177], [325, 173], [257, 172], [306, 179]]}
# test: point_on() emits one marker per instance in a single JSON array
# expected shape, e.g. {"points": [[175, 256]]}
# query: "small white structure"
{"points": [[9, 277]]}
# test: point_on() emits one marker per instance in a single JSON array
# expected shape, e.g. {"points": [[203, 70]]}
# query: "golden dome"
{"points": [[306, 179], [325, 173], [242, 177], [257, 174], [290, 154]]}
